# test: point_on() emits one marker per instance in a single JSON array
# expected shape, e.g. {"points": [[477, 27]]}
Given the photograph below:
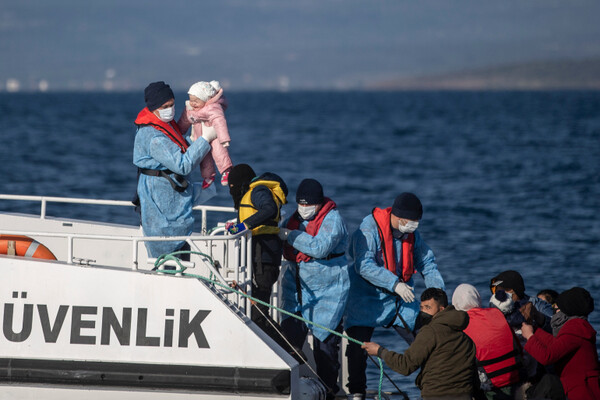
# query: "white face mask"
{"points": [[307, 212], [166, 114], [410, 227]]}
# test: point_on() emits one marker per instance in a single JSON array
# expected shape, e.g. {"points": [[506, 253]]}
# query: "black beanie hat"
{"points": [[575, 301], [511, 280], [156, 94], [240, 177], [241, 174], [407, 205], [309, 191]]}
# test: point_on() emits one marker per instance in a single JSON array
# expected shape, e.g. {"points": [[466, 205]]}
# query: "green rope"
{"points": [[380, 376], [171, 256]]}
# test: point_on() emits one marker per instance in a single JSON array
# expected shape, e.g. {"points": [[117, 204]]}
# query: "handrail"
{"points": [[134, 239], [44, 200], [243, 240]]}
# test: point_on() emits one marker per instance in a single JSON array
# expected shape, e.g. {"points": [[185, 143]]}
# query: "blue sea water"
{"points": [[509, 180]]}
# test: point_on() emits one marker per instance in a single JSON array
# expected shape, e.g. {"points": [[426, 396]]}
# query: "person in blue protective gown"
{"points": [[315, 284], [164, 157], [387, 250]]}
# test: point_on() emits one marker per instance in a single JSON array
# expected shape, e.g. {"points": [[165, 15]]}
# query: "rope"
{"points": [[380, 376], [171, 256]]}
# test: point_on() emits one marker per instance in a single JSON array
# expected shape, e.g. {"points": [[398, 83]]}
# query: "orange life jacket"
{"points": [[497, 349], [147, 117], [382, 219], [312, 228]]}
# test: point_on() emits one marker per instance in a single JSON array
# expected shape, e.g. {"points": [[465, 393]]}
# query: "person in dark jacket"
{"points": [[573, 349], [441, 349], [526, 308], [258, 201]]}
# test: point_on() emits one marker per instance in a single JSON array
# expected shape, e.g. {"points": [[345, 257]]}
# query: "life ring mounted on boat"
{"points": [[24, 246]]}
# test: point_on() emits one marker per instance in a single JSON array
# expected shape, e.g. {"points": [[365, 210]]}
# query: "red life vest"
{"points": [[497, 349], [382, 219], [312, 229], [147, 117]]}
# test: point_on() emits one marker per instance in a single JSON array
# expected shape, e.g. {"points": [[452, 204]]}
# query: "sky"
{"points": [[279, 44]]}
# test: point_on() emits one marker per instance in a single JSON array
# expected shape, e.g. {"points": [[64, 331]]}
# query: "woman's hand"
{"points": [[526, 330]]}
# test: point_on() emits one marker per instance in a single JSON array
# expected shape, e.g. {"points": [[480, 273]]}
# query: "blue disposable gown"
{"points": [[372, 301], [165, 212], [324, 283]]}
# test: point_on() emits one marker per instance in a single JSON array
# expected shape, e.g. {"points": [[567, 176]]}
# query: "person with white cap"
{"points": [[204, 112], [498, 351], [387, 251]]}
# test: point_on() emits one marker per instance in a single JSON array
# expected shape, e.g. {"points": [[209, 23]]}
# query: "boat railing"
{"points": [[44, 200], [230, 255]]}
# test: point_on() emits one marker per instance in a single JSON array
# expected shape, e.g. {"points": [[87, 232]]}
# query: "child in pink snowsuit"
{"points": [[206, 110]]}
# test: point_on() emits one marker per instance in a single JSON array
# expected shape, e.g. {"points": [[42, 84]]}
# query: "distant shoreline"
{"points": [[532, 76]]}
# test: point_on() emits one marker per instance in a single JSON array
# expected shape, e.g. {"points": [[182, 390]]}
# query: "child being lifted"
{"points": [[203, 111]]}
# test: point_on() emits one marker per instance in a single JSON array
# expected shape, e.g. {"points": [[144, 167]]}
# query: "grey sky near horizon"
{"points": [[266, 44]]}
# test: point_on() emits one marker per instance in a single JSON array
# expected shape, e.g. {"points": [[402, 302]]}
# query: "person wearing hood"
{"points": [[387, 250], [519, 306], [316, 283], [573, 348], [164, 157], [258, 201], [498, 351], [205, 111], [445, 354]]}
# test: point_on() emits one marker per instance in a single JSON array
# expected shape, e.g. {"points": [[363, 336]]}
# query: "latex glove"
{"points": [[209, 133], [283, 233], [236, 228], [405, 292]]}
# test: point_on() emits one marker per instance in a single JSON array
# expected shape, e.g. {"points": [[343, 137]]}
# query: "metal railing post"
{"points": [[43, 210], [69, 249], [135, 254], [203, 221]]}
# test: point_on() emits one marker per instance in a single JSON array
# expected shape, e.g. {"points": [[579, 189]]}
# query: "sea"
{"points": [[508, 180]]}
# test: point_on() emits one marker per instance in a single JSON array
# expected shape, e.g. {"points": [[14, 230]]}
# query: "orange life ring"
{"points": [[25, 247]]}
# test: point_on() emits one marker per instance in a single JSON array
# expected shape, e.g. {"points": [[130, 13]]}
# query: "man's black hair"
{"points": [[437, 294]]}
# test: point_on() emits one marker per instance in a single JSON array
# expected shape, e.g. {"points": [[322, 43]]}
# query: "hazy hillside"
{"points": [[563, 74]]}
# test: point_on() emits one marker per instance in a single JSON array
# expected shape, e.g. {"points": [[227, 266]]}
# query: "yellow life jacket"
{"points": [[247, 208]]}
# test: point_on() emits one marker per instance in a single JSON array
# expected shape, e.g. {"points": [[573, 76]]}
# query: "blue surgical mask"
{"points": [[166, 114], [409, 227]]}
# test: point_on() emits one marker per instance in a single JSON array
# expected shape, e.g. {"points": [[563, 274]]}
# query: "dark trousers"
{"points": [[264, 276], [357, 358], [326, 352]]}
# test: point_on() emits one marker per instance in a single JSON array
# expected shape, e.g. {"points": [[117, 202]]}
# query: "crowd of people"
{"points": [[517, 346]]}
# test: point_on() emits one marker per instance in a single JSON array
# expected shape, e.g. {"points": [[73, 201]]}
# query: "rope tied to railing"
{"points": [[172, 257]]}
